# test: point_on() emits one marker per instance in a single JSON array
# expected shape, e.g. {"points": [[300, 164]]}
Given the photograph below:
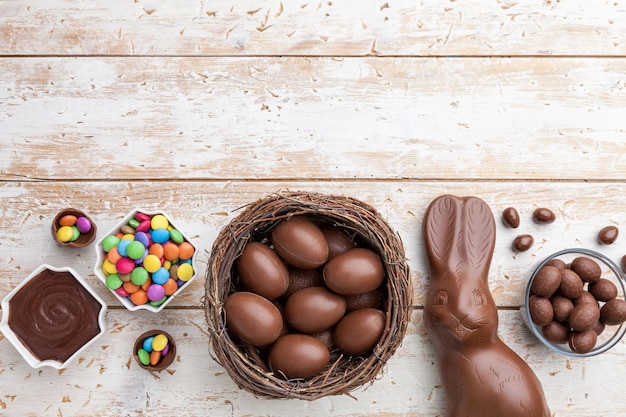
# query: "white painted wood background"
{"points": [[198, 108]]}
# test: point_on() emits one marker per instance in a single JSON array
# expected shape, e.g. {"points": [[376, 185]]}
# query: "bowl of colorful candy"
{"points": [[145, 260], [307, 295], [73, 228], [574, 302], [52, 316], [154, 350]]}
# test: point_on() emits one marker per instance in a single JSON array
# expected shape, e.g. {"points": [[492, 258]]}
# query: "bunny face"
{"points": [[461, 318]]}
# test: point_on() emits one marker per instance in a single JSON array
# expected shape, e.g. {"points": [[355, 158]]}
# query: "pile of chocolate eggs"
{"points": [[306, 294]]}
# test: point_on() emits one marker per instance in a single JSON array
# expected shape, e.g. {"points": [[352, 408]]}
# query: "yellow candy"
{"points": [[159, 342], [65, 233], [167, 264], [152, 263], [184, 272], [159, 221], [128, 236], [109, 267]]}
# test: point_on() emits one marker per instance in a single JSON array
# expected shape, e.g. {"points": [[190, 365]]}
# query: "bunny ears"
{"points": [[460, 235]]}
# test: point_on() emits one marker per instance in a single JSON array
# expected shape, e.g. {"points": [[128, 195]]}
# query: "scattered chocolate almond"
{"points": [[510, 217], [608, 235], [543, 215]]}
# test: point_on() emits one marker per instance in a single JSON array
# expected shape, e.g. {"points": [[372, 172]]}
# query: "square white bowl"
{"points": [[101, 255], [20, 345]]}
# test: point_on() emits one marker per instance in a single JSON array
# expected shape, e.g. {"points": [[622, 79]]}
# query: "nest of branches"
{"points": [[246, 364]]}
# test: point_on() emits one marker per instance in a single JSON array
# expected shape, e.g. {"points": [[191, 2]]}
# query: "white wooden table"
{"points": [[198, 108]]}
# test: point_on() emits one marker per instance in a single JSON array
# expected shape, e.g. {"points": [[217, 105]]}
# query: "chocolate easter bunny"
{"points": [[481, 375]]}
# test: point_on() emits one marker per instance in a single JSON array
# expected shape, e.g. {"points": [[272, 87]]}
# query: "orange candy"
{"points": [[146, 284], [155, 357], [67, 220], [156, 249], [130, 287], [170, 286], [139, 297], [171, 251], [113, 255], [185, 250]]}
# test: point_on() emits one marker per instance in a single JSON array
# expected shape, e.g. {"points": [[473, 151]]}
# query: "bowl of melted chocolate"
{"points": [[52, 316]]}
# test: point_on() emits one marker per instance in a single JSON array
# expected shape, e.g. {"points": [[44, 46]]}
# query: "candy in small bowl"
{"points": [[574, 302], [52, 316], [154, 350], [145, 260], [73, 228]]}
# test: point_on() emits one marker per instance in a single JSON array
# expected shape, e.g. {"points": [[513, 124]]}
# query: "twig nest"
{"points": [[252, 367]]}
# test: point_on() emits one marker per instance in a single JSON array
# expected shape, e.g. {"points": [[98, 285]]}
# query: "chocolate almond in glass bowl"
{"points": [[587, 319], [52, 316]]}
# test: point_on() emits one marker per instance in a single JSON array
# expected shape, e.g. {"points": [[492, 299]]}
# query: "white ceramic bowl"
{"points": [[56, 303], [101, 256]]}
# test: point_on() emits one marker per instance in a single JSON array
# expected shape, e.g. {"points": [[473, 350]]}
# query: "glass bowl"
{"points": [[46, 319], [611, 334], [106, 270]]}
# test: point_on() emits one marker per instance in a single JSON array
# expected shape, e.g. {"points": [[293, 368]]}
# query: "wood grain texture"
{"points": [[198, 108], [202, 209], [302, 118], [106, 381], [337, 28]]}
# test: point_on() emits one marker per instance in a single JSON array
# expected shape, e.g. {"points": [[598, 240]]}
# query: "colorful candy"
{"points": [[153, 349], [147, 260], [71, 227]]}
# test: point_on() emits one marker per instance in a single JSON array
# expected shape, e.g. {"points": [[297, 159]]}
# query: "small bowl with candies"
{"points": [[145, 260], [574, 302], [307, 295], [154, 350], [73, 228]]}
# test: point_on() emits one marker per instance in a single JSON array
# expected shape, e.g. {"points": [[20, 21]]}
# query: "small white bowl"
{"points": [[101, 255], [56, 303]]}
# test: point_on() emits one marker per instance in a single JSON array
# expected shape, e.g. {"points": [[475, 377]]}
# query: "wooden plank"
{"points": [[301, 118], [202, 209], [338, 28], [106, 380]]}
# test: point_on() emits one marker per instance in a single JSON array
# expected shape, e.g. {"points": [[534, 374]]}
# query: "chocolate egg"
{"points": [[571, 285], [300, 242], [603, 289], [359, 331], [583, 316], [541, 310], [356, 271], [562, 306], [613, 312], [546, 282], [583, 342], [314, 309], [337, 240], [586, 268], [556, 332], [261, 271], [298, 356], [252, 318]]}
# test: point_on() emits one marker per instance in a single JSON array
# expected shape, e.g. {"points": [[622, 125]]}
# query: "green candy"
{"points": [[109, 242], [114, 281], [75, 233], [176, 236], [143, 356], [139, 275], [135, 249], [158, 302], [133, 223]]}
